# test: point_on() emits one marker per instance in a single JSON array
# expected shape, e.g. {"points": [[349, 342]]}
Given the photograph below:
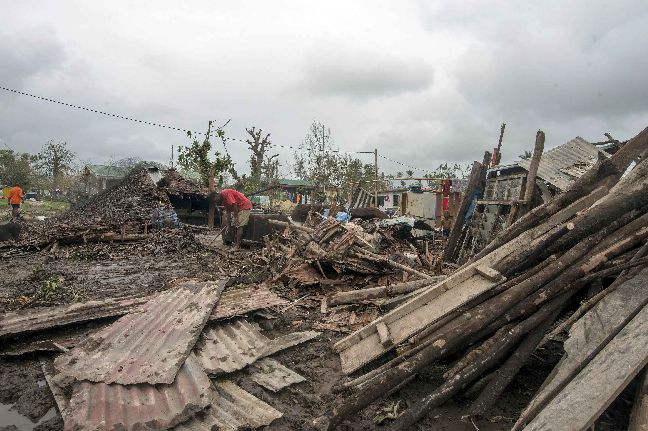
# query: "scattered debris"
{"points": [[272, 375]]}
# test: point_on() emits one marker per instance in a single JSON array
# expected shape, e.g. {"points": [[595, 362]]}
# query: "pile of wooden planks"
{"points": [[500, 306], [332, 249]]}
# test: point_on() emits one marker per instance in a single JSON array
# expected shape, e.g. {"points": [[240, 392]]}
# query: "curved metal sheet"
{"points": [[561, 166], [232, 409], [148, 345]]}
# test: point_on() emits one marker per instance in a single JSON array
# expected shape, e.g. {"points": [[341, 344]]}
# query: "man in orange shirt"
{"points": [[15, 198], [237, 211]]}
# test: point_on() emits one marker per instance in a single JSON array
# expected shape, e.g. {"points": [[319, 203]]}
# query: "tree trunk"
{"points": [[507, 372], [355, 296], [506, 339]]}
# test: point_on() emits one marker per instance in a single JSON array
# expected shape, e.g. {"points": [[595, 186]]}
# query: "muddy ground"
{"points": [[83, 272]]}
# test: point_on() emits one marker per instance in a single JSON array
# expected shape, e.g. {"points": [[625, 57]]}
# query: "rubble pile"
{"points": [[118, 213], [584, 252], [334, 251]]}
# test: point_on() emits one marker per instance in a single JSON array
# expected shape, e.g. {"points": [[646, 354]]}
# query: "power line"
{"points": [[402, 164], [96, 111], [179, 129]]}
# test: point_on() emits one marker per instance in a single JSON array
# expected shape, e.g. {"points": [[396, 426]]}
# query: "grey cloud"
{"points": [[364, 75], [29, 54], [593, 65]]}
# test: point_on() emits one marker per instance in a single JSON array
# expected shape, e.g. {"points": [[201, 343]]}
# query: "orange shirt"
{"points": [[15, 195]]}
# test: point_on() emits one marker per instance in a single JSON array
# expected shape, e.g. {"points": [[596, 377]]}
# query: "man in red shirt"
{"points": [[15, 198], [237, 211]]}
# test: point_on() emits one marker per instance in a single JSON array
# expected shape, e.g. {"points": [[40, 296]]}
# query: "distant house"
{"points": [[429, 201], [297, 191], [101, 177]]}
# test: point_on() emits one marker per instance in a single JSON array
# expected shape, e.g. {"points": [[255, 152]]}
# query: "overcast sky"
{"points": [[424, 82]]}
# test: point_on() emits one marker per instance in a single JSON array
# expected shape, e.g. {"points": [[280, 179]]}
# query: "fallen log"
{"points": [[452, 335], [506, 340], [354, 296], [586, 306], [505, 374]]}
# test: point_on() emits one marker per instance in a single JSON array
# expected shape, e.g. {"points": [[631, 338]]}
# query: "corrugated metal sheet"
{"points": [[148, 345], [230, 346], [561, 166], [232, 409], [233, 345], [32, 320], [101, 406], [232, 303], [273, 375], [240, 301], [289, 340]]}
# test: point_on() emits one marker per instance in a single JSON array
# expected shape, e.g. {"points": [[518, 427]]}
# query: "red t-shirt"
{"points": [[233, 198]]}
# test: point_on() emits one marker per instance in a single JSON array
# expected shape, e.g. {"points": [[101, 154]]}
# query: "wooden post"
{"points": [[212, 205], [376, 183], [460, 217], [527, 192]]}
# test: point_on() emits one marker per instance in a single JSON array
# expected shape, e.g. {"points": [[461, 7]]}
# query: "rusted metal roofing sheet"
{"points": [[236, 302], [233, 345], [232, 303], [101, 406], [32, 320], [148, 345], [232, 409], [563, 165], [273, 375], [230, 346]]}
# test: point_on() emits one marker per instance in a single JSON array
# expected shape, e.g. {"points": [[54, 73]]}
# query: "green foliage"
{"points": [[55, 164], [526, 155], [55, 160], [15, 168], [197, 157], [50, 286], [445, 170], [390, 411], [327, 168]]}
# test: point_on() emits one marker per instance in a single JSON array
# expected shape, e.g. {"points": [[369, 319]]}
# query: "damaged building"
{"points": [[497, 206]]}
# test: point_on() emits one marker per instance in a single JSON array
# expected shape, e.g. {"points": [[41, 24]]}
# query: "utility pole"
{"points": [[172, 157], [376, 182], [497, 154]]}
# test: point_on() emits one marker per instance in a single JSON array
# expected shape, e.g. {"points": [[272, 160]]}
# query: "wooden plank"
{"points": [[384, 335], [416, 302], [489, 273], [583, 400], [589, 335], [404, 327]]}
